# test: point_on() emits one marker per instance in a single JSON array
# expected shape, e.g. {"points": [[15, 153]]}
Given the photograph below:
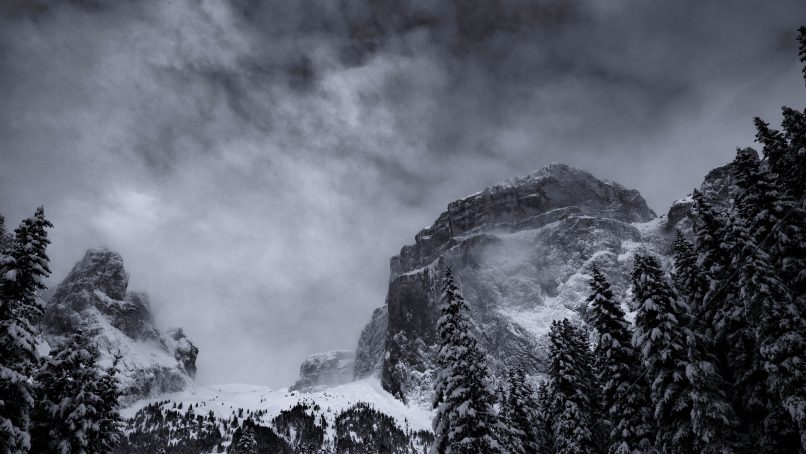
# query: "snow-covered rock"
{"points": [[522, 253], [325, 369], [94, 298]]}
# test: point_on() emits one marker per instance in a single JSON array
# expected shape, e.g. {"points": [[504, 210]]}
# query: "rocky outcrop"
{"points": [[522, 252], [717, 187], [94, 298], [369, 353], [325, 369]]}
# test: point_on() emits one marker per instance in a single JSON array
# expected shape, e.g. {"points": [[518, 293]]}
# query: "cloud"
{"points": [[257, 163]]}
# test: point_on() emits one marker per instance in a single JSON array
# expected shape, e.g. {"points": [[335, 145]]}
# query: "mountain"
{"points": [[94, 298], [325, 369], [522, 253]]}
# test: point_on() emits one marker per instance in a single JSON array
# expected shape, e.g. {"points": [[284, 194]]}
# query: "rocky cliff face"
{"points": [[325, 369], [522, 252], [94, 297]]}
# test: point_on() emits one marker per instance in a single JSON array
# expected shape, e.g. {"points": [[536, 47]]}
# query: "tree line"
{"points": [[715, 361]]}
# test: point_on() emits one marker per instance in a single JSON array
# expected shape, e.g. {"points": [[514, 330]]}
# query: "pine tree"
{"points": [[713, 415], [661, 338], [76, 409], [24, 266], [802, 49], [465, 420], [624, 399], [247, 443], [521, 413], [781, 328], [689, 277], [543, 421], [572, 386]]}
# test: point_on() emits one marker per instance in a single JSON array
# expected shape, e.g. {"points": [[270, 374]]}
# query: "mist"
{"points": [[258, 163]]}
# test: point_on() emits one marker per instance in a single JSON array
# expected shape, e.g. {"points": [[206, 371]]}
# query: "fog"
{"points": [[258, 163]]}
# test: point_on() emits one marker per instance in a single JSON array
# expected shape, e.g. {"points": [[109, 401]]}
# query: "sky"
{"points": [[257, 163]]}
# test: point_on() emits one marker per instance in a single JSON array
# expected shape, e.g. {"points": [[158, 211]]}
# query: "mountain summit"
{"points": [[94, 298], [522, 252]]}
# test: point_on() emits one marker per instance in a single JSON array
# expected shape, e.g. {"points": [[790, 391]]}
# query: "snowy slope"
{"points": [[224, 399]]}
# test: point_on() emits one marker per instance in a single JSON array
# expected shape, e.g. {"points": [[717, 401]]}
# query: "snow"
{"points": [[223, 399]]}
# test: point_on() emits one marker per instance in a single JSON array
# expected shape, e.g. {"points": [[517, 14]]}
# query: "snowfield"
{"points": [[224, 399]]}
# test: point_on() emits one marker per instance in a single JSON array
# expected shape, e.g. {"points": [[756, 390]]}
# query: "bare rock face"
{"points": [[325, 369], [370, 345], [94, 298], [522, 253], [718, 187]]}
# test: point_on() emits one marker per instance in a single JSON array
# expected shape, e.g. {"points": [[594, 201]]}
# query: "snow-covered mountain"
{"points": [[522, 252], [94, 298]]}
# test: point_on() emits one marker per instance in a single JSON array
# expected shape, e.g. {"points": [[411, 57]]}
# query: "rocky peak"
{"points": [[100, 269], [520, 203], [325, 369], [94, 298], [522, 252]]}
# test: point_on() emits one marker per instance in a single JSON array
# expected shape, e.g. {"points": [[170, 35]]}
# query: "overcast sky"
{"points": [[258, 163]]}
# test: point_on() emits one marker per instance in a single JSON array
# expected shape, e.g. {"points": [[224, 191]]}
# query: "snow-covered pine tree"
{"points": [[714, 418], [247, 443], [780, 334], [543, 420], [774, 219], [624, 398], [714, 251], [661, 339], [802, 49], [76, 407], [689, 277], [5, 237], [572, 390], [23, 266], [465, 421], [521, 413]]}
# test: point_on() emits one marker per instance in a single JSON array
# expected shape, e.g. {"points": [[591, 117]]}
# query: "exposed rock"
{"points": [[522, 253], [717, 187], [94, 298], [325, 369], [369, 354]]}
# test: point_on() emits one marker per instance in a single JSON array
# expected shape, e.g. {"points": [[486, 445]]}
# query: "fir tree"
{"points": [[572, 385], [661, 338], [247, 443], [23, 267], [76, 409], [465, 420], [689, 277], [781, 342], [624, 400], [713, 415], [543, 421], [521, 413], [802, 49]]}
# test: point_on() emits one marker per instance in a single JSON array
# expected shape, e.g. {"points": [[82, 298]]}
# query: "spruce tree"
{"points": [[23, 266], [802, 49], [714, 418], [624, 398], [543, 420], [521, 413], [661, 338], [76, 408], [247, 443], [465, 421], [780, 335], [572, 389]]}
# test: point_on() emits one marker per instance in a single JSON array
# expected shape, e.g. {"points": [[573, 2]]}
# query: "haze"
{"points": [[258, 163]]}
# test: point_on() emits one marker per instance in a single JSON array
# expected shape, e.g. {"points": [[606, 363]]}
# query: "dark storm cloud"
{"points": [[257, 163]]}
